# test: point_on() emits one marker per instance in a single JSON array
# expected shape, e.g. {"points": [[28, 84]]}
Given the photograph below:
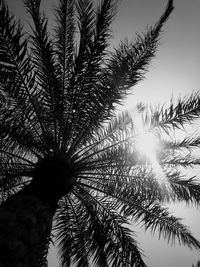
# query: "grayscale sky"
{"points": [[175, 71]]}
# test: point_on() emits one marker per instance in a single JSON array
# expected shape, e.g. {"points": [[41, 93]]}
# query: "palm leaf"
{"points": [[17, 82], [100, 224], [87, 66], [44, 62], [175, 116], [129, 62], [107, 91], [73, 243], [65, 49], [152, 215]]}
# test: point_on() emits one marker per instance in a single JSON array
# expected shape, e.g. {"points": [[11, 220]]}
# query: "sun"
{"points": [[147, 144]]}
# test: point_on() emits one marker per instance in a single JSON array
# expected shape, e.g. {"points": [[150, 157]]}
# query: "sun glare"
{"points": [[148, 145]]}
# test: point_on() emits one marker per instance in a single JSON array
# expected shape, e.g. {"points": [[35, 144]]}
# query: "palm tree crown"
{"points": [[60, 141]]}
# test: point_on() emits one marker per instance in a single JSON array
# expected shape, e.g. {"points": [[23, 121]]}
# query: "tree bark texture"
{"points": [[25, 227]]}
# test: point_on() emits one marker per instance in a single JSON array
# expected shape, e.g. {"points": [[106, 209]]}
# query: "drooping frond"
{"points": [[106, 239], [71, 233], [158, 219], [151, 215]]}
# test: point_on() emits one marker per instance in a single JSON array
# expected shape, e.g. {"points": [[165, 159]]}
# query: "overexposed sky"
{"points": [[174, 71]]}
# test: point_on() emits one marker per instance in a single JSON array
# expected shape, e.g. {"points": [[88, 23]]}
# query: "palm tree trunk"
{"points": [[25, 227]]}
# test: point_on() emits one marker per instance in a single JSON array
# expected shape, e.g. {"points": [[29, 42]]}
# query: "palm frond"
{"points": [[17, 81], [107, 249], [72, 243], [65, 50], [170, 227], [86, 20], [110, 159], [13, 49], [186, 189], [87, 96], [15, 133], [130, 61], [152, 215], [45, 68], [176, 116], [178, 161], [107, 91]]}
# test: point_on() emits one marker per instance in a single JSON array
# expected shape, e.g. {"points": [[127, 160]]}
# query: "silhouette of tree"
{"points": [[65, 158]]}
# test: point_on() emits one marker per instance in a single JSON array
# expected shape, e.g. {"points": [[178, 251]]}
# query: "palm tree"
{"points": [[65, 159]]}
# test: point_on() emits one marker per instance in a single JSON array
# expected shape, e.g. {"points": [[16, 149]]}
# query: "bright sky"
{"points": [[174, 71]]}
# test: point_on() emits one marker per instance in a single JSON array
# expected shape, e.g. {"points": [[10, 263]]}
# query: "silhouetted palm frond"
{"points": [[177, 115], [97, 231]]}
